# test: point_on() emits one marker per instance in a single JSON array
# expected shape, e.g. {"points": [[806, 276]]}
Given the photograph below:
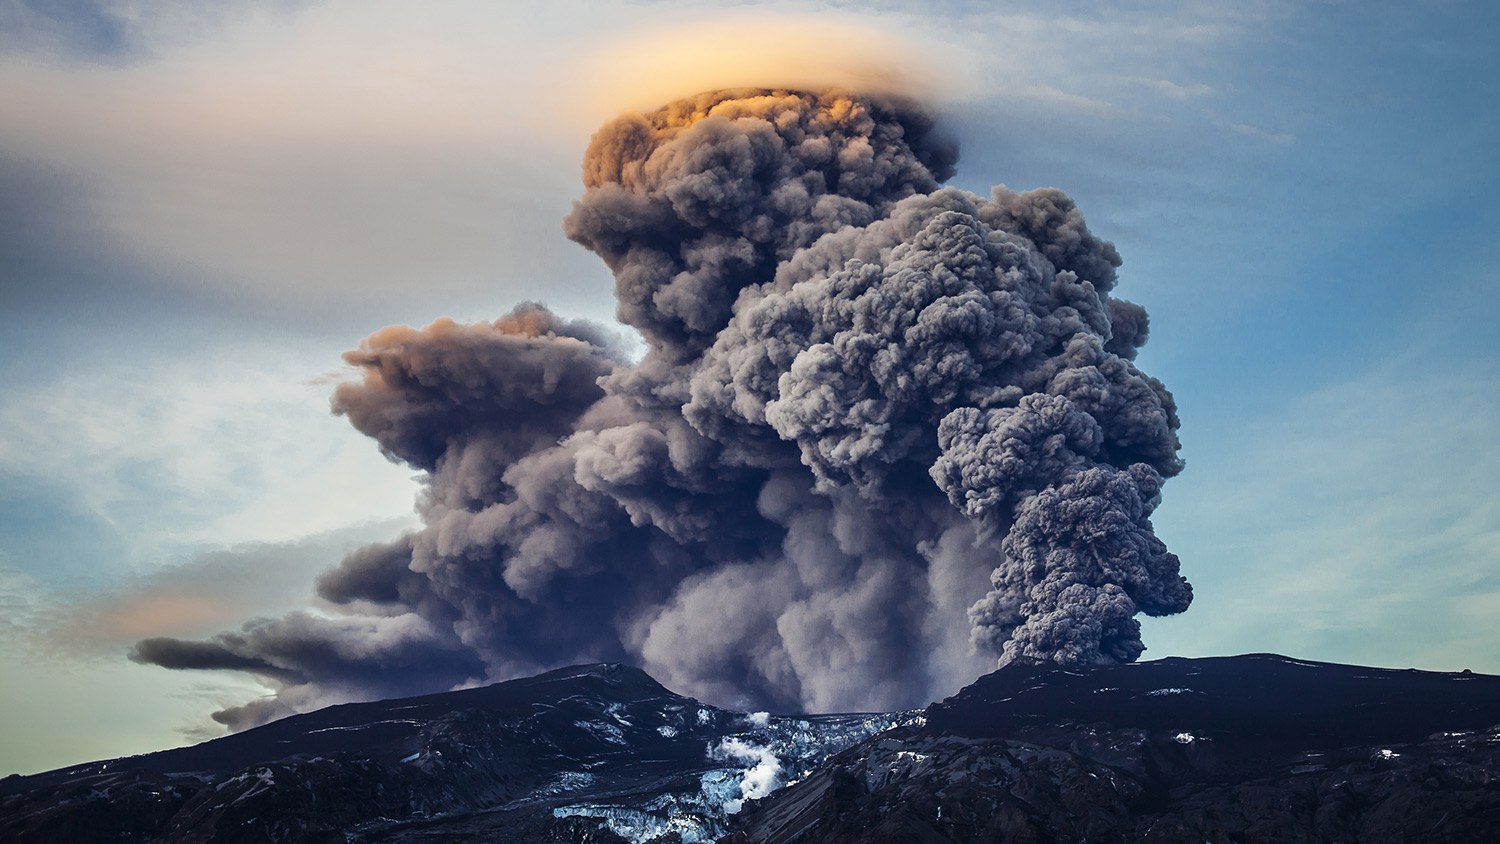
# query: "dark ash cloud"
{"points": [[884, 433]]}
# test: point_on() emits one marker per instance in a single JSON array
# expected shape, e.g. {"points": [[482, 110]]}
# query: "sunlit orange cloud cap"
{"points": [[656, 64]]}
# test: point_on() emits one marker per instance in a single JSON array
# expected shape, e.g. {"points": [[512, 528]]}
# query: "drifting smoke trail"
{"points": [[878, 422], [762, 773]]}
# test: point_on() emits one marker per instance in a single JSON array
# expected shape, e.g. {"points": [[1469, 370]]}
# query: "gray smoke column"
{"points": [[883, 434]]}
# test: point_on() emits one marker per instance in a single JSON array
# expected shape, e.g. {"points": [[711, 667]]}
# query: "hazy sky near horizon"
{"points": [[203, 205]]}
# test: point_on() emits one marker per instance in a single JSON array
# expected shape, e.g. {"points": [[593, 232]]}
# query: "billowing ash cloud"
{"points": [[884, 433]]}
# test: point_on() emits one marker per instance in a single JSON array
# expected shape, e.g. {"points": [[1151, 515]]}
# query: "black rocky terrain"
{"points": [[564, 756], [1255, 748]]}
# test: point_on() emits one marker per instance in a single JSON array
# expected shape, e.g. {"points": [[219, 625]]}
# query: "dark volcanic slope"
{"points": [[1262, 703], [393, 729], [363, 767], [565, 756], [1256, 748]]}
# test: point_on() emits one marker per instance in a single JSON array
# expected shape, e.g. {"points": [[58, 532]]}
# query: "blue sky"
{"points": [[204, 205]]}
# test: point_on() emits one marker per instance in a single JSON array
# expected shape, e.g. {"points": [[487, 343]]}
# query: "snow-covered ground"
{"points": [[766, 753]]}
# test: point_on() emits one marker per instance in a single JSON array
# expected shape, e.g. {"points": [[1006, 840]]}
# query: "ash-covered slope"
{"points": [[388, 729], [569, 755], [1264, 705], [1256, 748]]}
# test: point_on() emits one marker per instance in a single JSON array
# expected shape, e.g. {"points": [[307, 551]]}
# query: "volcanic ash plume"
{"points": [[884, 433]]}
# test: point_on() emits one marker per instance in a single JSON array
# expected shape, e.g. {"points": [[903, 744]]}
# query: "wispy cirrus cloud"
{"points": [[158, 460], [1263, 134], [191, 596], [1357, 525]]}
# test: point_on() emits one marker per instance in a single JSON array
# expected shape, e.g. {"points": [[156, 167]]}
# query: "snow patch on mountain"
{"points": [[768, 753]]}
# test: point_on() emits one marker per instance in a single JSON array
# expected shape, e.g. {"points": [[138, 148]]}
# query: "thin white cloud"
{"points": [[201, 451], [193, 597], [1263, 134], [1170, 89], [1062, 99], [1360, 525]]}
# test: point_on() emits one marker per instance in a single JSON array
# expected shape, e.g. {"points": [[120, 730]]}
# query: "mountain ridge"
{"points": [[237, 750], [603, 752]]}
